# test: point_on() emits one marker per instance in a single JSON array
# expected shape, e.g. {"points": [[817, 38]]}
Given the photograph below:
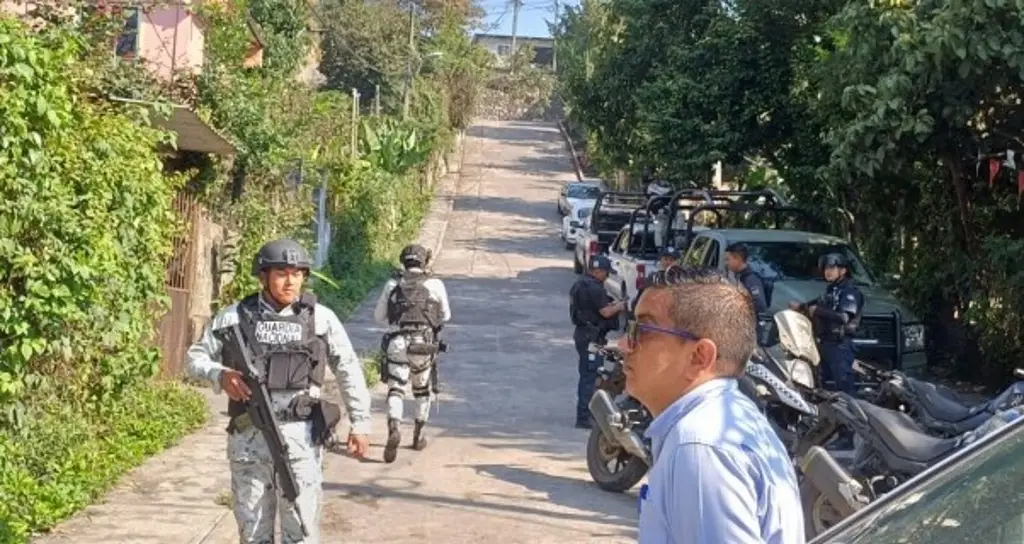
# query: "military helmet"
{"points": [[281, 253], [414, 255], [833, 259]]}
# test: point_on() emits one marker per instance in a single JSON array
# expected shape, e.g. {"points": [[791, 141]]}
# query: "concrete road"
{"points": [[505, 463]]}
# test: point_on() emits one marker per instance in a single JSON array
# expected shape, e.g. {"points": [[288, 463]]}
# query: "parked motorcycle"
{"points": [[890, 449], [937, 409], [782, 370], [618, 455]]}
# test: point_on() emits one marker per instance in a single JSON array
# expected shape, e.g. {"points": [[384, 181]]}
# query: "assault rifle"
{"points": [[261, 414]]}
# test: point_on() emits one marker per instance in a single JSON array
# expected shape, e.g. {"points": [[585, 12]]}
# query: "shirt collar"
{"points": [[666, 421], [266, 305]]}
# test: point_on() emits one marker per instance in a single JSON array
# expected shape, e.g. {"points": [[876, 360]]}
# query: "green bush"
{"points": [[63, 458], [378, 214], [85, 229]]}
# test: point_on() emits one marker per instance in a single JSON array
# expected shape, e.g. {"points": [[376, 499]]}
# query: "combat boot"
{"points": [[394, 439], [418, 440]]}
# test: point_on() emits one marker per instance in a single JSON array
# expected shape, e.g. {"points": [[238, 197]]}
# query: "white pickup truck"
{"points": [[634, 255]]}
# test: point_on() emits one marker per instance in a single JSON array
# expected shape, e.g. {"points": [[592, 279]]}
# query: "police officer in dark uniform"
{"points": [[736, 261], [836, 316], [594, 314]]}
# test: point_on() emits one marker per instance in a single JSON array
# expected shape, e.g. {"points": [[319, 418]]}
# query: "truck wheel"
{"points": [[576, 266], [626, 469]]}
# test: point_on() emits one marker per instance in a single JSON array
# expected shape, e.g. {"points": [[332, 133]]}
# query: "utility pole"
{"points": [[408, 64], [554, 48], [516, 4]]}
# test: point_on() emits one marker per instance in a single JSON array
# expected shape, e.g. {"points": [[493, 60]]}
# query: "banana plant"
{"points": [[392, 146]]}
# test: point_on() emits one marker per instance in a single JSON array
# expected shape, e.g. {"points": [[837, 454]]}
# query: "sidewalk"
{"points": [[181, 495]]}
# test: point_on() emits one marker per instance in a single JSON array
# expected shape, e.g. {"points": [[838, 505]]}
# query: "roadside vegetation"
{"points": [[87, 222], [900, 122]]}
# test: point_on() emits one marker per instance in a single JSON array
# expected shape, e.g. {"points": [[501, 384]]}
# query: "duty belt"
{"points": [[243, 422]]}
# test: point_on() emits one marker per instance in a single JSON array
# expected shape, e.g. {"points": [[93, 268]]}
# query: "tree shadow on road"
{"points": [[532, 212], [524, 132], [546, 160], [568, 492], [372, 494]]}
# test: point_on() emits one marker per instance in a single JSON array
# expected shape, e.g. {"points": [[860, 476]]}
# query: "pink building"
{"points": [[168, 36]]}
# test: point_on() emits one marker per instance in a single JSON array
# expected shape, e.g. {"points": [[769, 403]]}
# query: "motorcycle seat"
{"points": [[904, 437], [939, 403]]}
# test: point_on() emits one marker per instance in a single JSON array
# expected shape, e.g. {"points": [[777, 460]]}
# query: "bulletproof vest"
{"points": [[834, 300], [285, 349], [410, 304]]}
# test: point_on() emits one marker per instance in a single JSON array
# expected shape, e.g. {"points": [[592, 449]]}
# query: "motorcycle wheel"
{"points": [[601, 452], [819, 515]]}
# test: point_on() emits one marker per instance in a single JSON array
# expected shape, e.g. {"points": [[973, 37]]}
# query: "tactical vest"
{"points": [[285, 349], [410, 305], [833, 301]]}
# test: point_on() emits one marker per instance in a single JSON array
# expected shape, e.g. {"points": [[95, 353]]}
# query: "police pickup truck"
{"points": [[612, 211], [787, 259]]}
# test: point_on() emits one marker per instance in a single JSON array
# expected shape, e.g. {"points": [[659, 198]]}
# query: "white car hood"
{"points": [[576, 203]]}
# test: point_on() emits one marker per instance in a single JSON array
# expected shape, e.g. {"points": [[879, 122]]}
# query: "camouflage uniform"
{"points": [[401, 375], [255, 504]]}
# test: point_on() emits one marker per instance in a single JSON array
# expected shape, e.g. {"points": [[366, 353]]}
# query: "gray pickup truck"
{"points": [[787, 260]]}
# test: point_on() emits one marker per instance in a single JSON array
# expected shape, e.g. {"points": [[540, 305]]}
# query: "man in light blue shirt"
{"points": [[720, 474]]}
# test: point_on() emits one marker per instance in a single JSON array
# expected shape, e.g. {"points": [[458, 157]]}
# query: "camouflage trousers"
{"points": [[256, 500], [399, 377]]}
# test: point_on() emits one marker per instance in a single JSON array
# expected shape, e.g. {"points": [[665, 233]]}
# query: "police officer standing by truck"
{"points": [[593, 314], [290, 340], [836, 316], [736, 255]]}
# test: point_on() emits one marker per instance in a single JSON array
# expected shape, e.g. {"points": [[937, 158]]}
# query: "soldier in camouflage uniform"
{"points": [[415, 305], [293, 339]]}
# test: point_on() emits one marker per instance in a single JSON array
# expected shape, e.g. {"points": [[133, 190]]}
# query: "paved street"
{"points": [[504, 464]]}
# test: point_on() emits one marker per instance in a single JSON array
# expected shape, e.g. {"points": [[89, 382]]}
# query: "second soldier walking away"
{"points": [[290, 341], [594, 314], [415, 306]]}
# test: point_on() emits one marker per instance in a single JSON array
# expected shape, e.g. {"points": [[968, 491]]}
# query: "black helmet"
{"points": [[281, 253], [414, 255], [832, 259]]}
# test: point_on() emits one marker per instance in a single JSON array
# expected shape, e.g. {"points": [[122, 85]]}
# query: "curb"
{"points": [[572, 151]]}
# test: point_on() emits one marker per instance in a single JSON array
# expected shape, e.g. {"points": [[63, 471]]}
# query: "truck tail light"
{"points": [[594, 248], [641, 276]]}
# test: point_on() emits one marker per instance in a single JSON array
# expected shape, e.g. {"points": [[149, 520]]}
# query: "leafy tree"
{"points": [[366, 44], [872, 113]]}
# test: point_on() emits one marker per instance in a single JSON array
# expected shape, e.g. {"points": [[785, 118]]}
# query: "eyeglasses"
{"points": [[634, 328]]}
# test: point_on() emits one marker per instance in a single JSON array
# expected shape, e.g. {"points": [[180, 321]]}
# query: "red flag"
{"points": [[993, 170]]}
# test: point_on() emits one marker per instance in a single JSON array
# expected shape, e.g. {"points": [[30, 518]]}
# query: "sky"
{"points": [[531, 16]]}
